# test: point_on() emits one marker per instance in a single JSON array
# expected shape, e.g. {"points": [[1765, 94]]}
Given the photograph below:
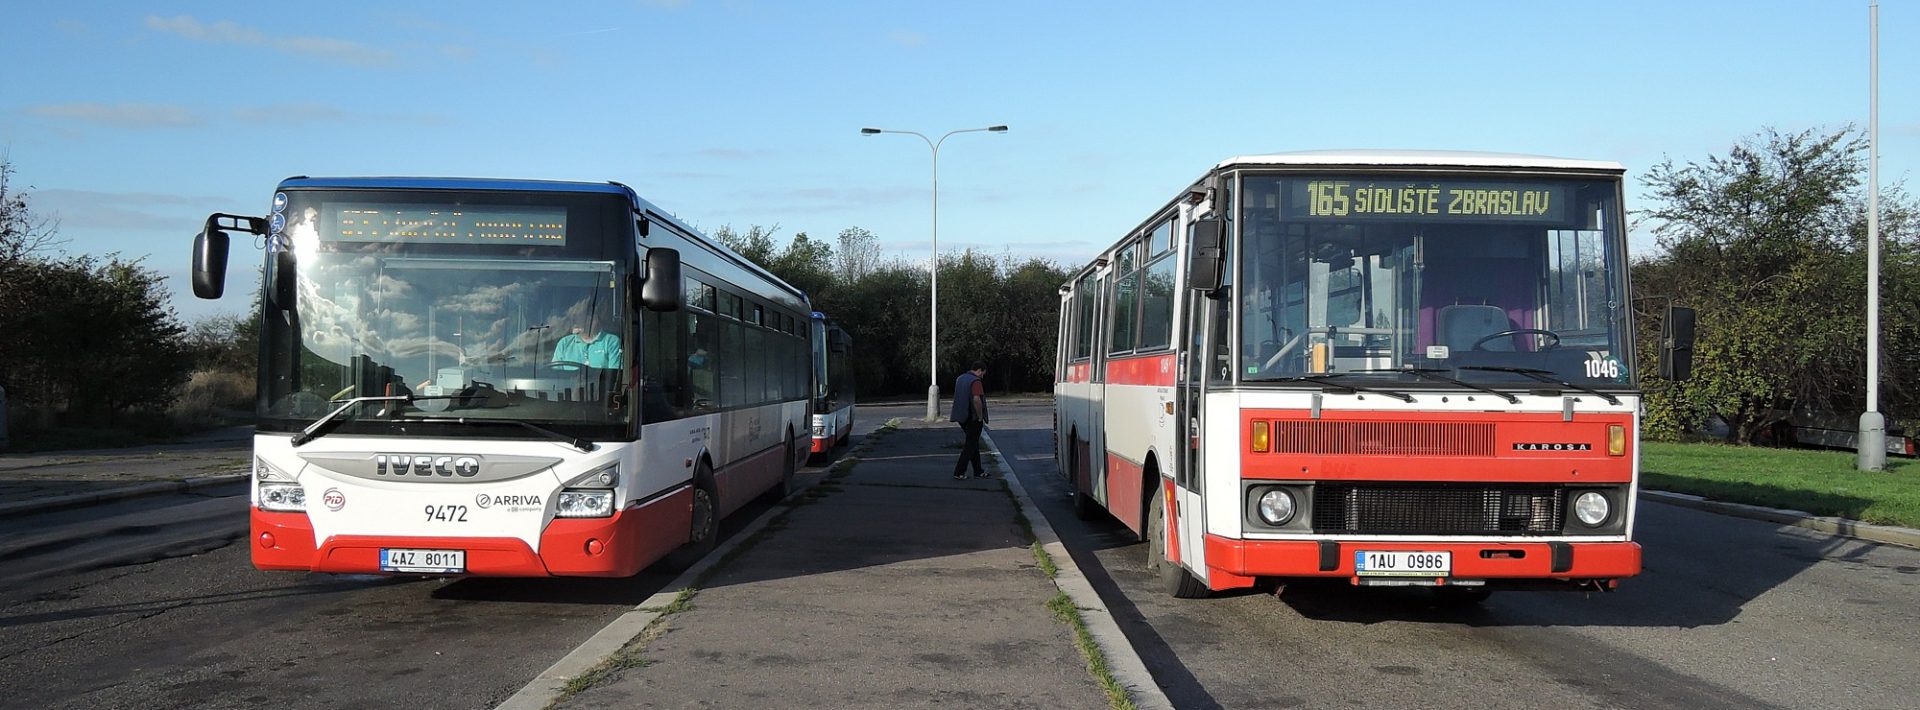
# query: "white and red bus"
{"points": [[508, 378], [1396, 368], [833, 386]]}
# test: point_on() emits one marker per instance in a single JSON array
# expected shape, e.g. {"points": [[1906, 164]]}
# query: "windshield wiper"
{"points": [[321, 426], [573, 441], [1428, 373], [1547, 376], [1327, 380]]}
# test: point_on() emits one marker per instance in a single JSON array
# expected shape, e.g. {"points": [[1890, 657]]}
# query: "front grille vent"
{"points": [[1411, 509], [1383, 438]]}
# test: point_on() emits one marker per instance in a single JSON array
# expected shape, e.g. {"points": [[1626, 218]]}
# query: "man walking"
{"points": [[970, 412]]}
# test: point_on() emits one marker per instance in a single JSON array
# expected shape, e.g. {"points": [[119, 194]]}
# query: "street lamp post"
{"points": [[933, 318], [1871, 452]]}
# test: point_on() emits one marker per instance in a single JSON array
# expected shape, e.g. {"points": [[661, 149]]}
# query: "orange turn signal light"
{"points": [[1616, 440], [1262, 438]]}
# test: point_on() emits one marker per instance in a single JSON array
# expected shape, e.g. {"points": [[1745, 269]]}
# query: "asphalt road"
{"points": [[1729, 613], [152, 603], [149, 603]]}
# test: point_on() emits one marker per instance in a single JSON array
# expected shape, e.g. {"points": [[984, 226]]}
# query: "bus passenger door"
{"points": [[1095, 454], [1190, 510]]}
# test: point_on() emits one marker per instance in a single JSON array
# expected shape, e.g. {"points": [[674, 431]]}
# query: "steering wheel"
{"points": [[1520, 331], [563, 367]]}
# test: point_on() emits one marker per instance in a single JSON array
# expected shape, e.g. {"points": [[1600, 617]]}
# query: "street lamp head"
{"points": [[997, 129], [869, 131]]}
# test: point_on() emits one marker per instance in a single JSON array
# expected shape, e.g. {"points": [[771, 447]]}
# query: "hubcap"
{"points": [[702, 514]]}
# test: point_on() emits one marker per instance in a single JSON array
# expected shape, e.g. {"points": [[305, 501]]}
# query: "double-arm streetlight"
{"points": [[933, 323]]}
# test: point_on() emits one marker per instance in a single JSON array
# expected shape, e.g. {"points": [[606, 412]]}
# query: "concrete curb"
{"points": [[546, 688], [1887, 534], [137, 490], [1122, 660]]}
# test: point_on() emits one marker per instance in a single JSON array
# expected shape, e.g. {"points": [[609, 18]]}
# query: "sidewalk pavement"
{"points": [[889, 585], [51, 480]]}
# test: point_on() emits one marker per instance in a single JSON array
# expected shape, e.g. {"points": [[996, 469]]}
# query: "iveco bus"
{"points": [[517, 378]]}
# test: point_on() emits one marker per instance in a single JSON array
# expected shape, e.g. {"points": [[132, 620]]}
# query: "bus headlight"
{"points": [[584, 504], [1276, 507], [1591, 508], [283, 497]]}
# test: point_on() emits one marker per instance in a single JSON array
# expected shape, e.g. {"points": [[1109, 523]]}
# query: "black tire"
{"points": [[1460, 596], [1173, 579], [1084, 506], [706, 523]]}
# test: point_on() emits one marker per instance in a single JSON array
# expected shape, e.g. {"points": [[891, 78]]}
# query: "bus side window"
{"points": [[702, 356]]}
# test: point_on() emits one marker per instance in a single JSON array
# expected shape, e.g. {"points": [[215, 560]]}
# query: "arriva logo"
{"points": [[426, 465]]}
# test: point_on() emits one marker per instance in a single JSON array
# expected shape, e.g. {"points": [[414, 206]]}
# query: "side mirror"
{"points": [[1676, 344], [210, 263], [662, 290], [1206, 264]]}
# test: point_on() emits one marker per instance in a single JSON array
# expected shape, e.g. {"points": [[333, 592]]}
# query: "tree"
{"points": [[89, 337], [857, 255], [1766, 242]]}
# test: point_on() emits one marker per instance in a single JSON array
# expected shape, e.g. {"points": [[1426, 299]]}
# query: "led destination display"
{"points": [[1430, 201], [445, 224]]}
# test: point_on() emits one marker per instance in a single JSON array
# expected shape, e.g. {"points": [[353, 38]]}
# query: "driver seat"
{"points": [[1461, 325]]}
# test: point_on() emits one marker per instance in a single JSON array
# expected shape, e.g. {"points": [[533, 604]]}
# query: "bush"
{"points": [[213, 398]]}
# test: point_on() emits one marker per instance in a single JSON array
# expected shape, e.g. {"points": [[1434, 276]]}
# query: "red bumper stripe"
{"points": [[617, 546], [1271, 558]]}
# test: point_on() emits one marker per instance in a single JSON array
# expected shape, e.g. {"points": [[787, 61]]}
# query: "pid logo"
{"points": [[334, 499]]}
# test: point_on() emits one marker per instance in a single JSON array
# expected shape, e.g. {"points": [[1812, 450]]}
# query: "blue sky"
{"points": [[132, 121]]}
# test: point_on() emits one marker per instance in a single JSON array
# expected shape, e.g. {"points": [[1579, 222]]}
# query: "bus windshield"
{"points": [[1365, 273], [478, 308]]}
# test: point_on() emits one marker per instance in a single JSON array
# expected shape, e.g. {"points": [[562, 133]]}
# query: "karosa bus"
{"points": [[508, 378], [1398, 368]]}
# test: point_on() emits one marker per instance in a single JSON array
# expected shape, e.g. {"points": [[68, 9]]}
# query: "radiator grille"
{"points": [[1383, 438], [1399, 509]]}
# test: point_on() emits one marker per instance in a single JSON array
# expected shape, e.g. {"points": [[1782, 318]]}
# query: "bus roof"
{"points": [[1418, 158], [440, 183]]}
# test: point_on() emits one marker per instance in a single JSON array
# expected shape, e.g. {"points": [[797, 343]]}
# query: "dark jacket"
{"points": [[963, 399]]}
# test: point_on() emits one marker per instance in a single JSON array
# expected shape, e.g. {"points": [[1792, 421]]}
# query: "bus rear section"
{"points": [[1395, 368]]}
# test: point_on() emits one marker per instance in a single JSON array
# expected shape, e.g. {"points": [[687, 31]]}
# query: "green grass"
{"points": [[1067, 613], [1818, 482]]}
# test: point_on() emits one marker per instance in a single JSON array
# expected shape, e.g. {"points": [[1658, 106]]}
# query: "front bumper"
{"points": [[1235, 563], [616, 546]]}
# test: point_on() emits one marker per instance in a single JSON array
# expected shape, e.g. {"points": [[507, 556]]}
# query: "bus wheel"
{"points": [[1460, 596], [706, 523], [1174, 579]]}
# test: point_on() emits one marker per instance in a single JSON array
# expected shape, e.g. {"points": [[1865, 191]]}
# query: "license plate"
{"points": [[1400, 563], [423, 561]]}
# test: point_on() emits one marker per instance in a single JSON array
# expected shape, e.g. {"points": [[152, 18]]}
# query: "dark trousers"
{"points": [[970, 453]]}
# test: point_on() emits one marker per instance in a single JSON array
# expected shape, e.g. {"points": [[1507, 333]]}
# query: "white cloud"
{"points": [[228, 32], [311, 113], [906, 38], [123, 115]]}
